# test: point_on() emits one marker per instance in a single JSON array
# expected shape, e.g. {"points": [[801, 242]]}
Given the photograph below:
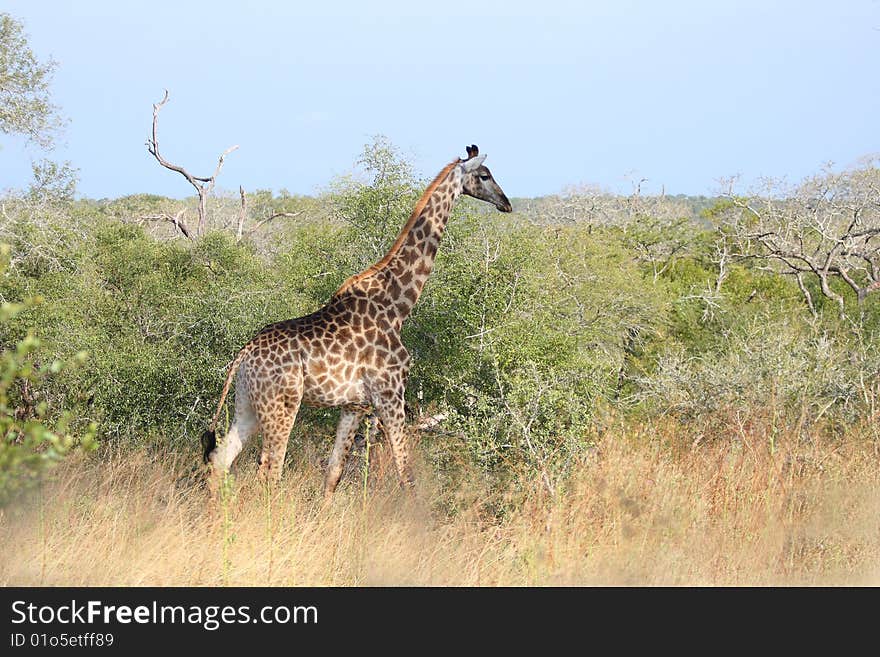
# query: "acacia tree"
{"points": [[25, 105], [826, 228]]}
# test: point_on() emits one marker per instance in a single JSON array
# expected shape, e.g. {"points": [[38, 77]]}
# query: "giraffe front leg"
{"points": [[390, 410], [345, 431]]}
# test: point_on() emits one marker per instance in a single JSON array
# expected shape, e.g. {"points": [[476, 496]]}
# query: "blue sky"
{"points": [[556, 93]]}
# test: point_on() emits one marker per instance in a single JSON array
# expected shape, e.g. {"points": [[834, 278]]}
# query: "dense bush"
{"points": [[527, 333], [35, 437]]}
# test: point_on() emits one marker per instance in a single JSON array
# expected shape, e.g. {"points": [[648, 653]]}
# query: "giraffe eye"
{"points": [[484, 176]]}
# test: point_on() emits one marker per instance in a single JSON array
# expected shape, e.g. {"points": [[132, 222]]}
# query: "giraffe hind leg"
{"points": [[276, 421], [244, 425]]}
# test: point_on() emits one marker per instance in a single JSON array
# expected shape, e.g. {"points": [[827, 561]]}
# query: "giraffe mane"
{"points": [[378, 266]]}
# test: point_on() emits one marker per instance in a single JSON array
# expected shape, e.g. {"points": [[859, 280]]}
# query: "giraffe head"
{"points": [[477, 181]]}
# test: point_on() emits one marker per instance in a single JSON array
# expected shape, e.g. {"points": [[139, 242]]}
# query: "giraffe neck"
{"points": [[395, 282], [409, 267]]}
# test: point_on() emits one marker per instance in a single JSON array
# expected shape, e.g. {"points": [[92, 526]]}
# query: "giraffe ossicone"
{"points": [[349, 352]]}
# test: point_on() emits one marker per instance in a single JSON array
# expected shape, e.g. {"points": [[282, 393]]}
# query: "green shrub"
{"points": [[35, 435]]}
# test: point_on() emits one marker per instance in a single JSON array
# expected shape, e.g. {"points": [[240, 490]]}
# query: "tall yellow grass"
{"points": [[648, 508]]}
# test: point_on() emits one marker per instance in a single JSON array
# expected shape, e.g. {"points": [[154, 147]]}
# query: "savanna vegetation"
{"points": [[605, 389]]}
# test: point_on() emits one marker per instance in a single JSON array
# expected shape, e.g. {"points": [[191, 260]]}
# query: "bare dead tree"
{"points": [[202, 185], [828, 227]]}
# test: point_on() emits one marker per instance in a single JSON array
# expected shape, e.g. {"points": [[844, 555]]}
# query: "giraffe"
{"points": [[349, 353]]}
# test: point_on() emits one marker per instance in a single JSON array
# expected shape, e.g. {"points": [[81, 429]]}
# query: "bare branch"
{"points": [[265, 221], [807, 296], [177, 220], [219, 164]]}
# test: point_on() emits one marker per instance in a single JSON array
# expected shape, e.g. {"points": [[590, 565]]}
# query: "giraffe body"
{"points": [[348, 353]]}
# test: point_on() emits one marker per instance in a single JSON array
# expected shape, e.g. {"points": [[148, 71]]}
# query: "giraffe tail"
{"points": [[209, 437]]}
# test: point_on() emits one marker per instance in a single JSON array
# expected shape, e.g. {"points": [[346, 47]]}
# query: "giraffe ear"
{"points": [[472, 150], [472, 163]]}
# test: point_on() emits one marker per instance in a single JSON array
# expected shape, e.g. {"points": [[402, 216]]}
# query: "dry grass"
{"points": [[648, 509]]}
